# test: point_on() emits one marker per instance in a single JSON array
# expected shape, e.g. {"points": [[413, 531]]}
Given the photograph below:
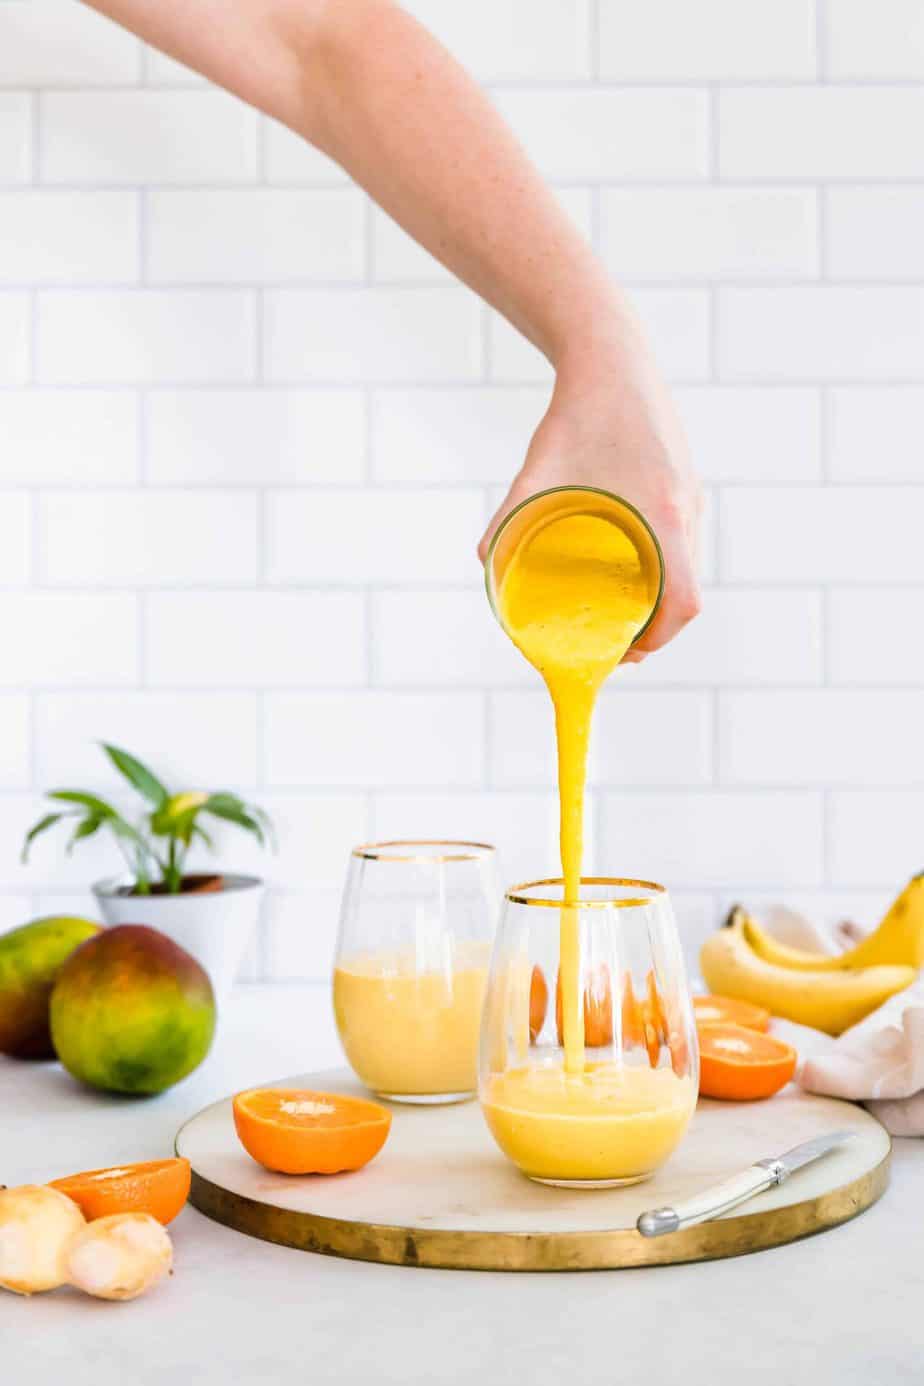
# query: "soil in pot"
{"points": [[196, 884]]}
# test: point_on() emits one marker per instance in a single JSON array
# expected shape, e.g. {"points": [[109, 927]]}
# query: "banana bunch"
{"points": [[830, 994]]}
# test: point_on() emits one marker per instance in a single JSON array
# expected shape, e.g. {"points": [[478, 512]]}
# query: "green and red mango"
{"points": [[30, 960], [132, 1011]]}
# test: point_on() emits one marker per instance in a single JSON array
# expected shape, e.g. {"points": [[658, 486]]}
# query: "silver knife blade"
{"points": [[787, 1164]]}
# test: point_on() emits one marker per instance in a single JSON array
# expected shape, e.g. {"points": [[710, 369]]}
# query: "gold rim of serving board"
{"points": [[623, 1248], [596, 491], [514, 896], [372, 851]]}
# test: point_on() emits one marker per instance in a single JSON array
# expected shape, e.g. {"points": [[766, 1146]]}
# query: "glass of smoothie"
{"points": [[411, 967], [604, 1100]]}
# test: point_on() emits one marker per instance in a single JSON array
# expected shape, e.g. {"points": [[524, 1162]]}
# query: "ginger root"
{"points": [[119, 1257], [46, 1242], [37, 1225]]}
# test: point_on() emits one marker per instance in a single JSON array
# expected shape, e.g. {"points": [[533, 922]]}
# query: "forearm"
{"points": [[362, 81], [412, 127]]}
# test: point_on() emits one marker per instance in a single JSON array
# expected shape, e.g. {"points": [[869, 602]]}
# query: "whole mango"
{"points": [[131, 1011], [30, 959]]}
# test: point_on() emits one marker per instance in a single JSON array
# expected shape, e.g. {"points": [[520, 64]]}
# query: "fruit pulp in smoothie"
{"points": [[574, 596], [411, 1031]]}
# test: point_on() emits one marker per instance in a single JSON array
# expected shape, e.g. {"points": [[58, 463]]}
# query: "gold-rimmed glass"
{"points": [[411, 966], [619, 1116], [558, 503]]}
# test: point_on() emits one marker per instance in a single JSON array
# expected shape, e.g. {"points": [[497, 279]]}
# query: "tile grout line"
{"points": [[821, 42], [594, 29]]}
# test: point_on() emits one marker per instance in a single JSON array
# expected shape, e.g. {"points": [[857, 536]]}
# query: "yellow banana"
{"points": [[826, 1000], [780, 954], [898, 939]]}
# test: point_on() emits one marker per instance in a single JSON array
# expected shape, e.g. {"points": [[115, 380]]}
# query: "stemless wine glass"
{"points": [[412, 965], [613, 1108]]}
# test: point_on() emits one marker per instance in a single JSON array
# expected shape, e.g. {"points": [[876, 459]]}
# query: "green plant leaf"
{"points": [[248, 816], [181, 828], [124, 829], [266, 823], [138, 775], [89, 801], [48, 821], [173, 818], [91, 824], [233, 810], [199, 831], [138, 852], [223, 798]]}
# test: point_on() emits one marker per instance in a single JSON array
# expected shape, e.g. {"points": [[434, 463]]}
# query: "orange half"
{"points": [[298, 1131], [158, 1187], [727, 1010], [742, 1065]]}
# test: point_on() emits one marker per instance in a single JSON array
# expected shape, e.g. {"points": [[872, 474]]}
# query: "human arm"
{"points": [[364, 82]]}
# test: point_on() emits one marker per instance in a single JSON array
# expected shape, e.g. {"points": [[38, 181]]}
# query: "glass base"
{"points": [[591, 1183], [426, 1099]]}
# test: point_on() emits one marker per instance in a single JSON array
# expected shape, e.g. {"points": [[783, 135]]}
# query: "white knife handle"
{"points": [[709, 1204]]}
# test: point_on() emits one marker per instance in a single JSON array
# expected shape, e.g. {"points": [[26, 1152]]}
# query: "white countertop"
{"points": [[843, 1307]]}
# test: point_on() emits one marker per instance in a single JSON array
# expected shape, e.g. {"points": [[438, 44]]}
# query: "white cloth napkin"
{"points": [[880, 1061]]}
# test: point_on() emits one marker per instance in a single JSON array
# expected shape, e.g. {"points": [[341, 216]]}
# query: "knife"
{"points": [[762, 1175]]}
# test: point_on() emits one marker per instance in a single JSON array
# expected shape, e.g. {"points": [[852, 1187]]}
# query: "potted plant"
{"points": [[211, 915]]}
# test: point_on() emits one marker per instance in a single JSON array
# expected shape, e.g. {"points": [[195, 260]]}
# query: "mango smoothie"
{"points": [[574, 596], [408, 1032], [610, 1123]]}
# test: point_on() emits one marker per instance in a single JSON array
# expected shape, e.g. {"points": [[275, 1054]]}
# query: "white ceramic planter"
{"points": [[215, 927]]}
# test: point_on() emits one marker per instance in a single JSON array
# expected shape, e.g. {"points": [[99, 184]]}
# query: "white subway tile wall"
{"points": [[711, 41], [250, 435], [16, 144]]}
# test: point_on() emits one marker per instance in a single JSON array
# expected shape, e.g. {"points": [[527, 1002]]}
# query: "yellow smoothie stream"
{"points": [[574, 596]]}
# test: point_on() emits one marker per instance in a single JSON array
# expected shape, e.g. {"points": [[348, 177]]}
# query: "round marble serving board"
{"points": [[442, 1194]]}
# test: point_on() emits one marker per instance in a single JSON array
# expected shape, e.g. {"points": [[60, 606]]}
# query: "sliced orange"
{"points": [[655, 1020], [297, 1131], [598, 1009], [538, 1003], [633, 1016], [158, 1187], [741, 1065], [726, 1010], [679, 1052]]}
